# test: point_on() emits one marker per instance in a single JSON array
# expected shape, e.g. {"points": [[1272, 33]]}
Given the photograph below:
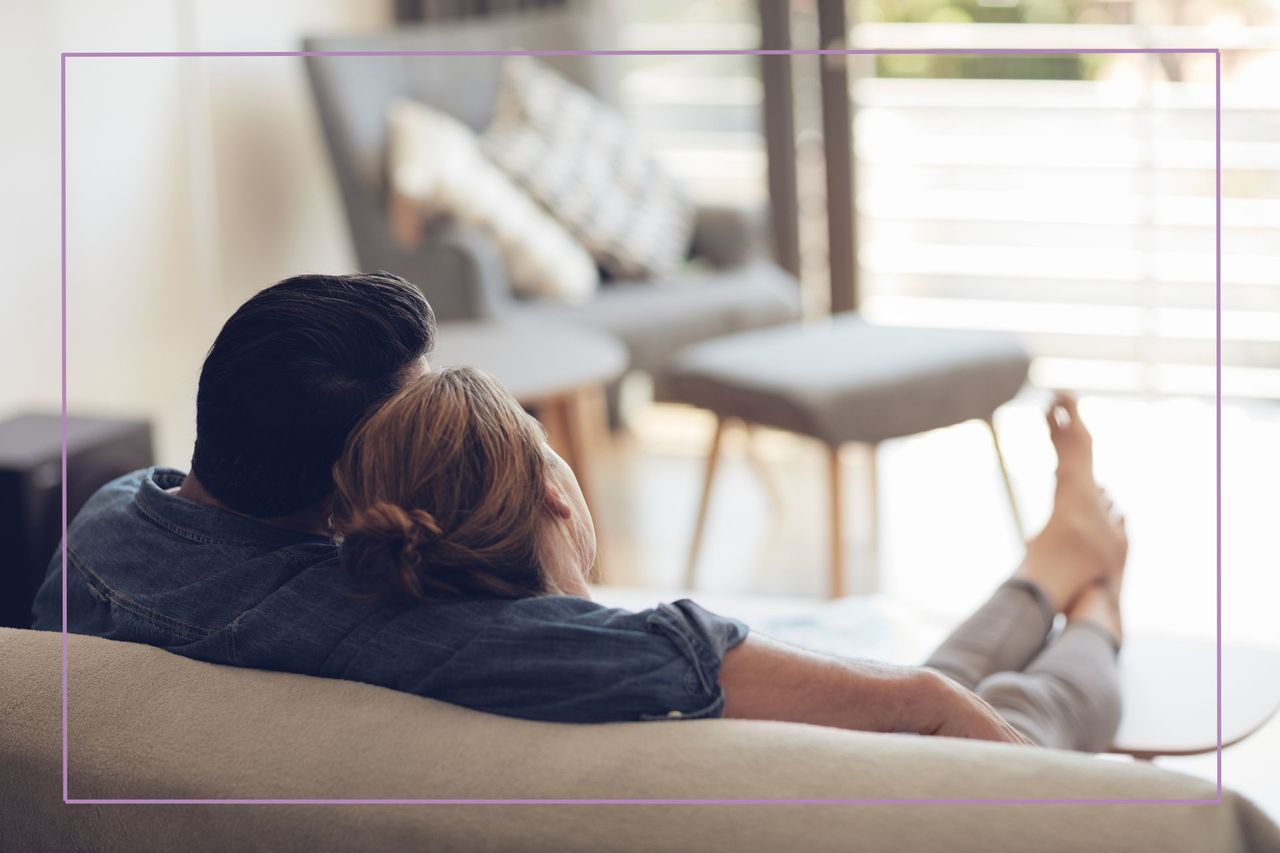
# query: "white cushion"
{"points": [[437, 165], [578, 157]]}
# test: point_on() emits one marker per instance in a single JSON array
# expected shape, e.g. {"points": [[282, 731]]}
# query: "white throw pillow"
{"points": [[436, 165], [578, 157]]}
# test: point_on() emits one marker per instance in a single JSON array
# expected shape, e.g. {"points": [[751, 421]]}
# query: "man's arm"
{"points": [[764, 679]]}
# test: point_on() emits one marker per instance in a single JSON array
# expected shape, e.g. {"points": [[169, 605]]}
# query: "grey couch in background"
{"points": [[459, 268]]}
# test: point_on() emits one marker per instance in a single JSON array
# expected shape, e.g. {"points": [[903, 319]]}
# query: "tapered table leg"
{"points": [[837, 521], [699, 525]]}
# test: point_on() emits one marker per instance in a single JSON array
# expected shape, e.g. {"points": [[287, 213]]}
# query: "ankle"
{"points": [[1097, 608], [1053, 562], [1054, 591]]}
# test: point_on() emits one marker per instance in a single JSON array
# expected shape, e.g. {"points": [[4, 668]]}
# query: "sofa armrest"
{"points": [[461, 271], [729, 236]]}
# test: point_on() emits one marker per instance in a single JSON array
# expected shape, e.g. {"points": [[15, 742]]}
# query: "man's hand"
{"points": [[764, 679], [965, 714]]}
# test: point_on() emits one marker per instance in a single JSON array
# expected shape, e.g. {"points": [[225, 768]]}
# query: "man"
{"points": [[161, 557], [235, 563]]}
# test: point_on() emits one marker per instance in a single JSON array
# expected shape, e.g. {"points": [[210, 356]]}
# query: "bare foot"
{"points": [[1100, 604], [1072, 441], [1084, 541]]}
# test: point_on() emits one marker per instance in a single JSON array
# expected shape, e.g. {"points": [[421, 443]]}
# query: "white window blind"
{"points": [[1077, 213], [1080, 213]]}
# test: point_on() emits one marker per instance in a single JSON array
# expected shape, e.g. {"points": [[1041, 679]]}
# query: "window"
{"points": [[1066, 198]]}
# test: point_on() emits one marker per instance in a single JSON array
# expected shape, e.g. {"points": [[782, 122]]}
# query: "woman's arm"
{"points": [[764, 679]]}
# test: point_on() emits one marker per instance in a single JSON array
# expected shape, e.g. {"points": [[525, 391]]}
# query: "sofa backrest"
{"points": [[147, 724]]}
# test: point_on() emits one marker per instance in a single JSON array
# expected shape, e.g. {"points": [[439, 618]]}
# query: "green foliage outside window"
{"points": [[1049, 67]]}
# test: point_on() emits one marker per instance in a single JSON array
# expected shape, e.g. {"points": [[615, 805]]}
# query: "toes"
{"points": [[1057, 413], [1064, 413], [1059, 422], [1051, 418], [1067, 402]]}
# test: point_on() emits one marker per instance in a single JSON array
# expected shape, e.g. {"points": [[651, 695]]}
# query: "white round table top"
{"points": [[1170, 688], [534, 361]]}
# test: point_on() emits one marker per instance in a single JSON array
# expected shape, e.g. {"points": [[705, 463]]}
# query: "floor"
{"points": [[946, 531]]}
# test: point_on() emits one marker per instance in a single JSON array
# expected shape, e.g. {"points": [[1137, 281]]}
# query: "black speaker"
{"points": [[98, 451]]}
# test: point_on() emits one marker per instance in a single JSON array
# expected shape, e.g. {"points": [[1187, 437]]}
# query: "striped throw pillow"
{"points": [[437, 169], [581, 161]]}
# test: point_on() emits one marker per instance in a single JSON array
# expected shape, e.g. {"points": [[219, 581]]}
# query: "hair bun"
{"points": [[411, 529], [387, 545]]}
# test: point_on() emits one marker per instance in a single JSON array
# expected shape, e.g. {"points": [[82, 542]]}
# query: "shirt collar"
{"points": [[209, 524]]}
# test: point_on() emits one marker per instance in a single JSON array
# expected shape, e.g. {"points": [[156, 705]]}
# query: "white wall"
{"points": [[191, 183]]}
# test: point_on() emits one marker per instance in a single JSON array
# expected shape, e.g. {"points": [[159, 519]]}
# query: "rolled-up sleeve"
{"points": [[703, 638], [569, 660]]}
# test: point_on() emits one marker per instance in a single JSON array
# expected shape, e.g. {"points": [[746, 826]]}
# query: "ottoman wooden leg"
{"points": [[1008, 483], [873, 497], [837, 522], [699, 525], [763, 473]]}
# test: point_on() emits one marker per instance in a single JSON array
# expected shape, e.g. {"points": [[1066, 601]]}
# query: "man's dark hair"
{"points": [[291, 374]]}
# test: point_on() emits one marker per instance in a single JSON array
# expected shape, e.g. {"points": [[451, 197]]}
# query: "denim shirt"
{"points": [[146, 566]]}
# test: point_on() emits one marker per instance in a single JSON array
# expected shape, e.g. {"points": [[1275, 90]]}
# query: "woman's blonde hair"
{"points": [[440, 492]]}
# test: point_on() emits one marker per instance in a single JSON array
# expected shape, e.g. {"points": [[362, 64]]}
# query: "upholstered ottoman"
{"points": [[844, 380]]}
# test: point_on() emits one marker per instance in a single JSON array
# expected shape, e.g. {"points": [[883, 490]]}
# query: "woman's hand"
{"points": [[567, 544]]}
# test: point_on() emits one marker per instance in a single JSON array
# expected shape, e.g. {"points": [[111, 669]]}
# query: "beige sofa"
{"points": [[147, 724]]}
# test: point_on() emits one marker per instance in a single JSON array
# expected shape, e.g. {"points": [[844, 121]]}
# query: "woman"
{"points": [[451, 506]]}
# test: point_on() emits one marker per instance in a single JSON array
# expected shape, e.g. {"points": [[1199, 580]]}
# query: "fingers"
{"points": [[1003, 732], [1019, 738], [983, 722], [1007, 733]]}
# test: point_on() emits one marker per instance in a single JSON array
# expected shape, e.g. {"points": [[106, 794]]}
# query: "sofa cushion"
{"points": [[846, 380], [656, 320], [144, 723]]}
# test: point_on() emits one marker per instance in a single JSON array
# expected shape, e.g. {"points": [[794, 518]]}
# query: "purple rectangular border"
{"points": [[1217, 110]]}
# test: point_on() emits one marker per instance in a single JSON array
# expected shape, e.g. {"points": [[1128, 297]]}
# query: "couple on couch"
{"points": [[352, 513]]}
